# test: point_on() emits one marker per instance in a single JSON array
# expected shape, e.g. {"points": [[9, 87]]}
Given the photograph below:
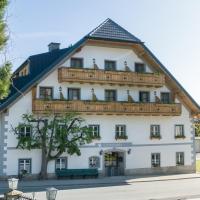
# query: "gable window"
{"points": [[110, 65], [24, 166], [74, 94], [179, 131], [76, 62], [110, 95], [155, 131], [120, 132], [94, 162], [25, 131], [46, 93], [61, 163], [165, 97], [140, 68], [144, 97], [155, 159], [95, 133], [179, 158]]}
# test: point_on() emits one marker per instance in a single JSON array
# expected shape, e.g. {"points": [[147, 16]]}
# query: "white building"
{"points": [[142, 117]]}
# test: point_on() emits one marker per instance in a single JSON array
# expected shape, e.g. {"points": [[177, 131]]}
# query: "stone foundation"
{"points": [[162, 170]]}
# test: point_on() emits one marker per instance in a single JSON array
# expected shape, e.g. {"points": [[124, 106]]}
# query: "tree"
{"points": [[53, 135], [5, 67], [197, 128]]}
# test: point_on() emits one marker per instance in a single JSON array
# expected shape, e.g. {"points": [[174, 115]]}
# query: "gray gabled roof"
{"points": [[110, 30]]}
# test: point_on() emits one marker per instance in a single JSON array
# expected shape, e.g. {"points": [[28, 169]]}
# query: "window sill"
{"points": [[179, 137], [178, 165], [96, 138], [121, 138], [155, 137], [155, 167]]}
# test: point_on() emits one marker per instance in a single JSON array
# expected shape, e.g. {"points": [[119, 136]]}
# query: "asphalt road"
{"points": [[155, 190]]}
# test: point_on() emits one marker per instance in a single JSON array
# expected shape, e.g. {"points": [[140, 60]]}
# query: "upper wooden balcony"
{"points": [[102, 107], [98, 76]]}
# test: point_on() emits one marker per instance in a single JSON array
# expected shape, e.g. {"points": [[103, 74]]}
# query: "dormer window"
{"points": [[77, 62], [110, 65], [24, 71], [140, 68]]}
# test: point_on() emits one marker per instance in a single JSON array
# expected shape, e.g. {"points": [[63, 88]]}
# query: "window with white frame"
{"points": [[179, 158], [95, 130], [24, 166], [155, 159], [61, 163], [179, 130], [120, 131], [94, 162], [155, 130], [25, 131]]}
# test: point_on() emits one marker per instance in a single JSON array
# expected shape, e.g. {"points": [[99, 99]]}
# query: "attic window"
{"points": [[140, 68], [77, 62], [24, 71]]}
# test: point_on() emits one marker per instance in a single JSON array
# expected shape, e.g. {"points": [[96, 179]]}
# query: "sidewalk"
{"points": [[99, 181]]}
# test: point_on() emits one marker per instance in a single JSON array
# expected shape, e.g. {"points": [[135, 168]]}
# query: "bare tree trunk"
{"points": [[43, 172]]}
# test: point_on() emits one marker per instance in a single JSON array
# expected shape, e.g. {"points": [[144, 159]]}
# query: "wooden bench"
{"points": [[71, 173]]}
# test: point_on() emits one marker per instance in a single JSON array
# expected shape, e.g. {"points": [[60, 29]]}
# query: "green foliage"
{"points": [[5, 69], [197, 129], [5, 75], [55, 134]]}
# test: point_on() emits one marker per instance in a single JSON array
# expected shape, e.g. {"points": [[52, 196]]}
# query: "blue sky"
{"points": [[170, 28]]}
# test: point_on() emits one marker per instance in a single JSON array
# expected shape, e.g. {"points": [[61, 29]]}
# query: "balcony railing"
{"points": [[66, 74], [102, 107]]}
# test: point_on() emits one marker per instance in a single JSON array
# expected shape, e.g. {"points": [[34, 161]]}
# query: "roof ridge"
{"points": [[95, 29], [110, 30], [48, 52], [124, 29]]}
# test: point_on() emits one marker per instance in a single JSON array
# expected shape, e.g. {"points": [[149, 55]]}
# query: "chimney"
{"points": [[54, 46]]}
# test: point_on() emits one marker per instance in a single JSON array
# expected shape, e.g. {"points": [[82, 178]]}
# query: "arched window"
{"points": [[94, 162]]}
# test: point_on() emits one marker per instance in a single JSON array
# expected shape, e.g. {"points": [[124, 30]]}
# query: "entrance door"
{"points": [[114, 163]]}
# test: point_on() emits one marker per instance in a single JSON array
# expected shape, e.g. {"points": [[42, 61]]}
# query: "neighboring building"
{"points": [[140, 115]]}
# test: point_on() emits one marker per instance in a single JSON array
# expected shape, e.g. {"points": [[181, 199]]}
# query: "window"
{"points": [[140, 68], [61, 163], [73, 94], [95, 131], [165, 97], [46, 93], [144, 97], [94, 162], [24, 166], [77, 62], [179, 131], [155, 159], [179, 158], [120, 132], [155, 130], [25, 131], [110, 95], [110, 65]]}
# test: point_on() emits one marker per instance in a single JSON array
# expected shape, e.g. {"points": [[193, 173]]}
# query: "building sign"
{"points": [[115, 145]]}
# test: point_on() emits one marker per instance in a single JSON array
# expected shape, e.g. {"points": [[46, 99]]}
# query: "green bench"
{"points": [[71, 173]]}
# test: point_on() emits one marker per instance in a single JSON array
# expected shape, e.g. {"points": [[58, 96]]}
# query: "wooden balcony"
{"points": [[66, 74], [102, 107]]}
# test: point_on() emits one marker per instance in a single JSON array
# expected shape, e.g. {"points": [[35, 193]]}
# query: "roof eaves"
{"points": [[114, 40], [171, 76]]}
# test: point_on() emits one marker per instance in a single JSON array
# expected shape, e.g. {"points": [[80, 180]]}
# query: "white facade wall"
{"points": [[100, 54], [138, 127]]}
